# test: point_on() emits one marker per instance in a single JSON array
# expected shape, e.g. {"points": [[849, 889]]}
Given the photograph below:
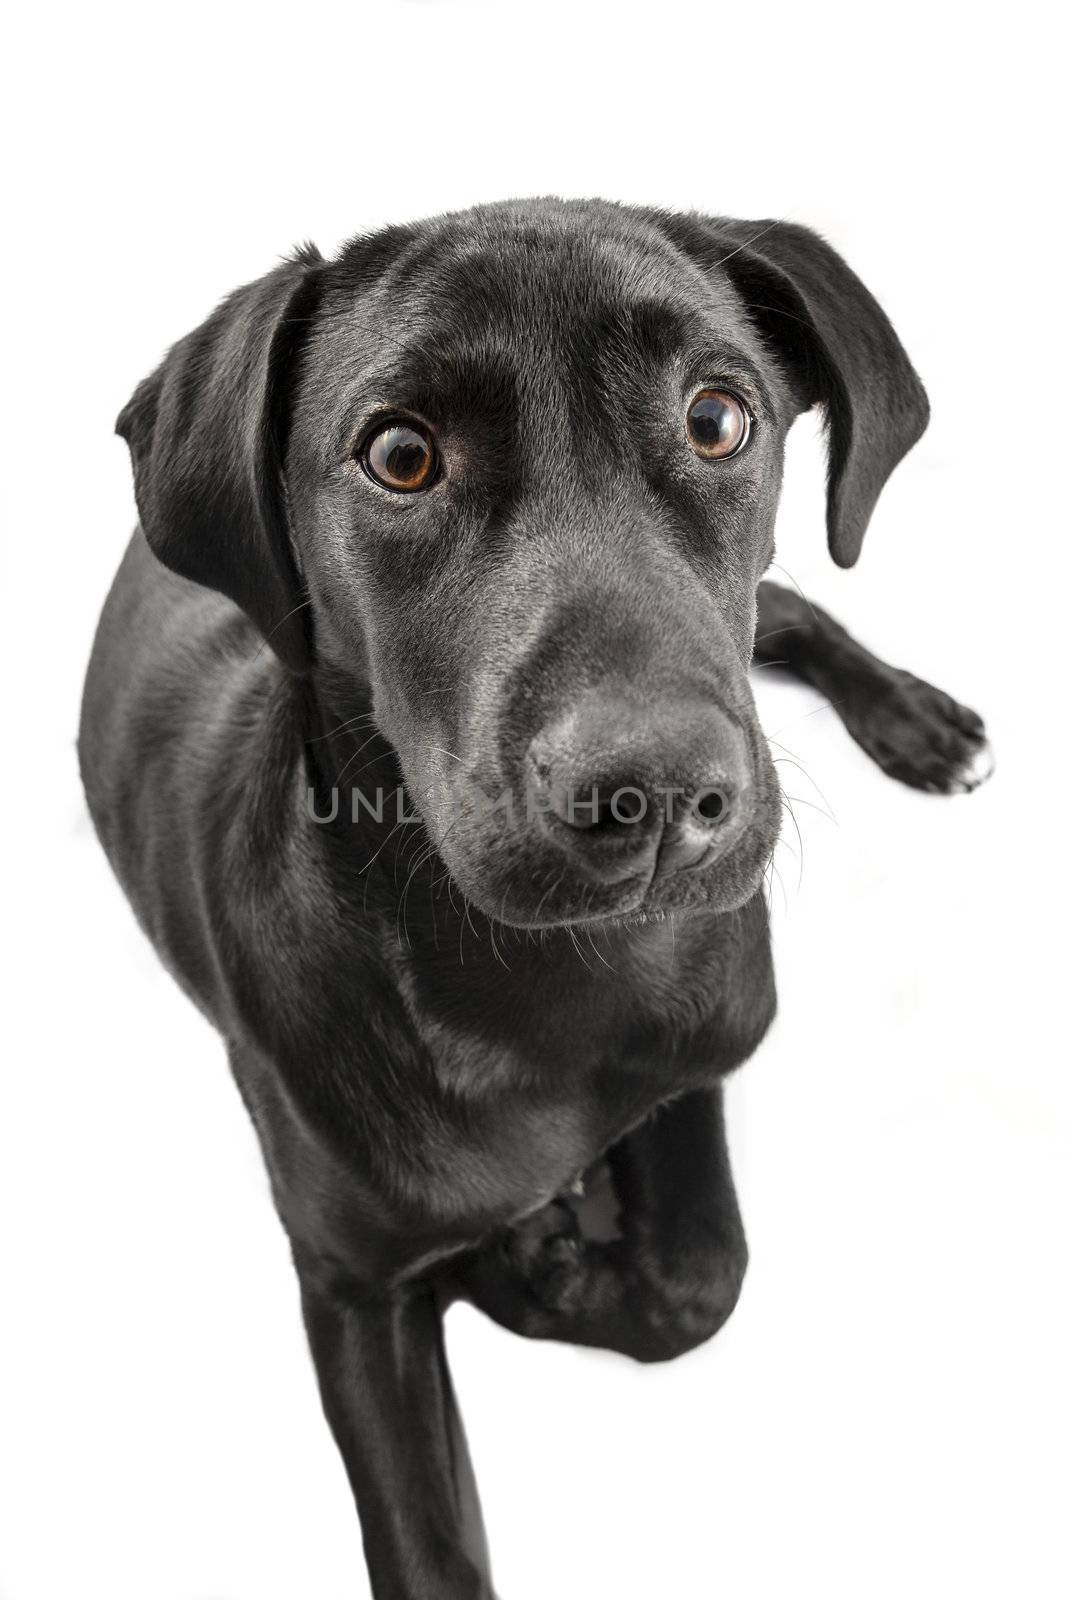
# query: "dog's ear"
{"points": [[207, 434], [838, 347]]}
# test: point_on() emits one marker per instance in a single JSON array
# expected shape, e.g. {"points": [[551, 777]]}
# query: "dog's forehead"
{"points": [[517, 266], [541, 254], [513, 282]]}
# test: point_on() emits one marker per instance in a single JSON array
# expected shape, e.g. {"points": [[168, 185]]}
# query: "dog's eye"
{"points": [[401, 457], [717, 424]]}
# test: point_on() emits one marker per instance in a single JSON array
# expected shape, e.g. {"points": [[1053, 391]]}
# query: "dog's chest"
{"points": [[447, 1100], [554, 1055]]}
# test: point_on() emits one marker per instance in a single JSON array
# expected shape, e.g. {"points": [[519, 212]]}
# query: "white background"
{"points": [[885, 1413]]}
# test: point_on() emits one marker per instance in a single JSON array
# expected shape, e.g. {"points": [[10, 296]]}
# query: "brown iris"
{"points": [[717, 424], [401, 457]]}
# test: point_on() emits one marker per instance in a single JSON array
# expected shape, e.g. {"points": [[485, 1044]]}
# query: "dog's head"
{"points": [[514, 472]]}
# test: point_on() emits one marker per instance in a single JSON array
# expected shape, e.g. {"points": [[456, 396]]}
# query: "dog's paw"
{"points": [[920, 735], [694, 1308], [546, 1251]]}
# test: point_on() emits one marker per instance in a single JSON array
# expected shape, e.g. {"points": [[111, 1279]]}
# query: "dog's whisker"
{"points": [[577, 946], [799, 800], [827, 705], [748, 243], [774, 633], [791, 760], [398, 824], [779, 311], [814, 614], [788, 803], [280, 624], [599, 955], [492, 940], [470, 920], [426, 853], [358, 752], [382, 755], [343, 727], [781, 883]]}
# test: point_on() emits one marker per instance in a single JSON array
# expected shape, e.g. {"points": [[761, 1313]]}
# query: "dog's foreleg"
{"points": [[913, 731], [387, 1395]]}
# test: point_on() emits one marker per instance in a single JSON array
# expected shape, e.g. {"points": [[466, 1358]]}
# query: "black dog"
{"points": [[473, 519]]}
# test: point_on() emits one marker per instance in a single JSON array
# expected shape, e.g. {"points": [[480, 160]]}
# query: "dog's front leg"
{"points": [[915, 732], [388, 1398]]}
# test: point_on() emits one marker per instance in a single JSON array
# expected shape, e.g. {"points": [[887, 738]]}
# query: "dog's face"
{"points": [[532, 456], [533, 473]]}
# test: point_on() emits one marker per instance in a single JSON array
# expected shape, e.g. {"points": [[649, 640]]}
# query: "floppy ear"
{"points": [[839, 349], [207, 435]]}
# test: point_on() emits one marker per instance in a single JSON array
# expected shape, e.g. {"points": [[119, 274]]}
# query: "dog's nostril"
{"points": [[599, 809], [711, 805]]}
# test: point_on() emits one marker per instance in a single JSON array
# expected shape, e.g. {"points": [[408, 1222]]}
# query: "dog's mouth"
{"points": [[633, 901], [542, 872]]}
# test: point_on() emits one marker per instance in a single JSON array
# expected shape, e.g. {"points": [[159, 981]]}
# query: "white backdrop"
{"points": [[885, 1413]]}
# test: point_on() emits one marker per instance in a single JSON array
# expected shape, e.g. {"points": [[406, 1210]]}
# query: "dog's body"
{"points": [[439, 1027]]}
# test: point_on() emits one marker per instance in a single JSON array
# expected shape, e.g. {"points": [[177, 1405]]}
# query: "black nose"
{"points": [[629, 789]]}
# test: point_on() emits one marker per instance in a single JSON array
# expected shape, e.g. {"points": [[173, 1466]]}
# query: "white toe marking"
{"points": [[976, 770]]}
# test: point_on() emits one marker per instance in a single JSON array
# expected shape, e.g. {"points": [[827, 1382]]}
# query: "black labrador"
{"points": [[419, 734]]}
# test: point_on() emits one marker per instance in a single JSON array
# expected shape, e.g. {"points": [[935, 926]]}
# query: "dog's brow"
{"points": [[442, 367], [731, 364]]}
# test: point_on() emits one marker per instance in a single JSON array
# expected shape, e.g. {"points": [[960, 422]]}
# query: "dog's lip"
{"points": [[614, 913], [645, 907]]}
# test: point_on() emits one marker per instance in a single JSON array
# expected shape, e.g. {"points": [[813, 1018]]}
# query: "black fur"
{"points": [[431, 1055]]}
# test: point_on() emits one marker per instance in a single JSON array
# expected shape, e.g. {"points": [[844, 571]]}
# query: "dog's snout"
{"points": [[632, 790]]}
